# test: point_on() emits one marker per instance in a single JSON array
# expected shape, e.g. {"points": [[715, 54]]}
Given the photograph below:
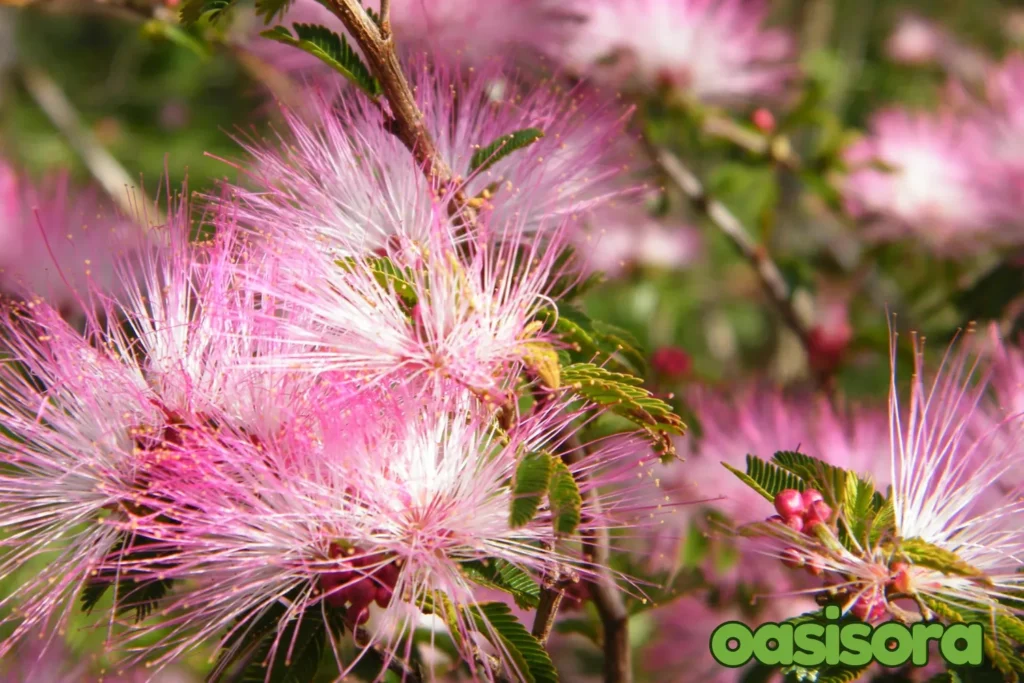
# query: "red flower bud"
{"points": [[789, 503], [764, 120]]}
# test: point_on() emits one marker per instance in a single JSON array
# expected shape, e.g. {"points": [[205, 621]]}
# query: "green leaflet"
{"points": [[625, 396], [505, 576], [533, 474], [331, 49], [564, 498], [766, 478], [485, 157]]}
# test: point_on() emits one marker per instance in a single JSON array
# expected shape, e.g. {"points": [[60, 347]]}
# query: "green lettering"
{"points": [[881, 638], [963, 644], [832, 636], [810, 648], [724, 653], [782, 653], [923, 633], [856, 638]]}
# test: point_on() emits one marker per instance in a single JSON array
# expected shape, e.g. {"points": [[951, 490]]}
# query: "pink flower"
{"points": [[467, 32], [362, 512], [625, 236], [74, 461], [349, 182], [928, 177], [57, 242], [945, 476], [718, 51], [916, 40]]}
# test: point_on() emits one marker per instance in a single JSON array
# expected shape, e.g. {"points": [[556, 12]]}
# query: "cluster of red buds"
{"points": [[801, 512], [354, 589]]}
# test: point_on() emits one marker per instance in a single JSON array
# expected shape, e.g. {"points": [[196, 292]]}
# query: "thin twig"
{"points": [[547, 610], [111, 176], [406, 118], [776, 148], [756, 254], [618, 656]]}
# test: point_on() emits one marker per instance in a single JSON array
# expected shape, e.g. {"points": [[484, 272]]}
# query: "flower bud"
{"points": [[810, 497], [789, 503], [792, 558], [819, 513], [764, 120]]}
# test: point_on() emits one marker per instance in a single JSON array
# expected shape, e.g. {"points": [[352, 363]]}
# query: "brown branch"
{"points": [[756, 254], [618, 657], [776, 148], [547, 610], [378, 47]]}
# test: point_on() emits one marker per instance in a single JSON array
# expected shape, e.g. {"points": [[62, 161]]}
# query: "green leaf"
{"points": [[496, 621], [194, 10], [765, 478], [505, 576], [624, 395], [1001, 652], [924, 554], [330, 48], [884, 523], [272, 9], [564, 498], [533, 474], [861, 505], [129, 593], [299, 648], [592, 341], [485, 157], [828, 479], [387, 275]]}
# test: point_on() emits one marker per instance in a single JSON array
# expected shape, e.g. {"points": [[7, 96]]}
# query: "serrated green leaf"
{"points": [[861, 503], [330, 48], [564, 498], [922, 553], [624, 395], [194, 10], [592, 342], [765, 478], [156, 28], [505, 576], [272, 9], [945, 677], [884, 524], [533, 475], [496, 621], [485, 157], [300, 646], [827, 479]]}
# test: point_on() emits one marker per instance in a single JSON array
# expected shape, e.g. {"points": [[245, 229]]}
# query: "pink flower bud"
{"points": [[792, 558], [814, 565], [671, 361], [764, 120], [795, 523], [819, 512], [811, 496], [789, 503]]}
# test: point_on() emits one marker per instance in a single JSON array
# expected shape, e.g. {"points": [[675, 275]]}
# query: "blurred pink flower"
{"points": [[58, 242], [915, 40], [929, 177], [623, 237], [463, 32], [718, 51]]}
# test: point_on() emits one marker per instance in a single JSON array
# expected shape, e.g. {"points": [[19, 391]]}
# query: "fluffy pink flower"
{"points": [[915, 40], [72, 454], [468, 32], [929, 177], [719, 51], [446, 317], [945, 493], [347, 181], [623, 237], [377, 500], [57, 242]]}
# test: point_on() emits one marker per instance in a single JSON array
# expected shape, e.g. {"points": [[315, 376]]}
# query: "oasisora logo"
{"points": [[734, 644]]}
